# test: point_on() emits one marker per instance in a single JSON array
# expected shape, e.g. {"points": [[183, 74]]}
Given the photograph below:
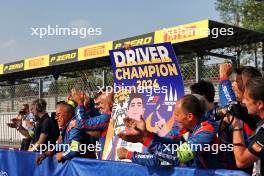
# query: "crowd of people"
{"points": [[235, 123]]}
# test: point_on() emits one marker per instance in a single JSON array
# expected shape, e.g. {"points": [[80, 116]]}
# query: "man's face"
{"points": [[103, 104], [34, 110], [250, 103], [62, 116], [136, 109], [182, 118]]}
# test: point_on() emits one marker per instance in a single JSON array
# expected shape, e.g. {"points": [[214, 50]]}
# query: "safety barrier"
{"points": [[13, 163]]}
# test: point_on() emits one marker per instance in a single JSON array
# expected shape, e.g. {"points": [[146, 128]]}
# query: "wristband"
{"points": [[148, 139], [129, 155], [238, 144]]}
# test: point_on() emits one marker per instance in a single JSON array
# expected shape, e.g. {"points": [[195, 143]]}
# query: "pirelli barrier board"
{"points": [[176, 34], [63, 57], [36, 62], [182, 33], [13, 67], [1, 69], [94, 51], [135, 41]]}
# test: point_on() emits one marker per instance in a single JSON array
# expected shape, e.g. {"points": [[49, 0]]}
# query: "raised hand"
{"points": [[122, 153], [12, 125], [59, 156], [136, 130], [78, 96], [40, 158], [225, 70]]}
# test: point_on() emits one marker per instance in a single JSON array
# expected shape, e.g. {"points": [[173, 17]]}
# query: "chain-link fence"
{"points": [[11, 97]]}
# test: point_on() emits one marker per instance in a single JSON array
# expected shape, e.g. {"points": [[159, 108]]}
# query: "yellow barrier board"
{"points": [[37, 62], [182, 33], [94, 51], [1, 69]]}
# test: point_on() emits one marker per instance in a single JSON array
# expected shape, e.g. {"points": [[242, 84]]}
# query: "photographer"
{"points": [[24, 119], [227, 91], [253, 98]]}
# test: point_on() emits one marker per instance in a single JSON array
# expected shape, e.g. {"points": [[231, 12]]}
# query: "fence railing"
{"points": [[11, 97], [8, 136]]}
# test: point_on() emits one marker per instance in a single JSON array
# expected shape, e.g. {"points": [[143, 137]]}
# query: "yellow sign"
{"points": [[1, 69], [94, 51], [37, 62], [183, 33]]}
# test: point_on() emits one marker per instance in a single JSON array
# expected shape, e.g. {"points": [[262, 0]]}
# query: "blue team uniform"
{"points": [[204, 135], [148, 159], [73, 137], [85, 122]]}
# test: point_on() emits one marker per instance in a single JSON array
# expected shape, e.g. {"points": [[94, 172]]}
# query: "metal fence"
{"points": [[8, 136], [11, 97]]}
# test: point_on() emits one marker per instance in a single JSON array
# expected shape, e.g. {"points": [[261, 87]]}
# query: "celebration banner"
{"points": [[148, 82]]}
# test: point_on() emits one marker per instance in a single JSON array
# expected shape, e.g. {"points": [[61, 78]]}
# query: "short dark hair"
{"points": [[41, 104], [255, 87], [60, 102], [251, 72], [204, 88], [65, 105], [191, 104], [135, 95]]}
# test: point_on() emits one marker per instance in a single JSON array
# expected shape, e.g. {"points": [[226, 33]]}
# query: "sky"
{"points": [[117, 19]]}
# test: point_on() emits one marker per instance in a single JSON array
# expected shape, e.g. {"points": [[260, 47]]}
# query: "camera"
{"points": [[234, 108]]}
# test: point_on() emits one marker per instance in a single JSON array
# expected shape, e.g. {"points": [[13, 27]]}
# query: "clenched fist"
{"points": [[59, 156], [122, 153], [225, 70]]}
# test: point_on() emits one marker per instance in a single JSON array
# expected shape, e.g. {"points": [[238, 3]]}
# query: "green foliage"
{"points": [[230, 11], [245, 13], [253, 15]]}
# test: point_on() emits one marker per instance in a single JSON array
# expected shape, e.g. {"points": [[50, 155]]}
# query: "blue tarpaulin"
{"points": [[14, 163]]}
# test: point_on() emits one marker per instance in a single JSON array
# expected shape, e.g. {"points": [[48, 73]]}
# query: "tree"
{"points": [[244, 13], [253, 15], [230, 11]]}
